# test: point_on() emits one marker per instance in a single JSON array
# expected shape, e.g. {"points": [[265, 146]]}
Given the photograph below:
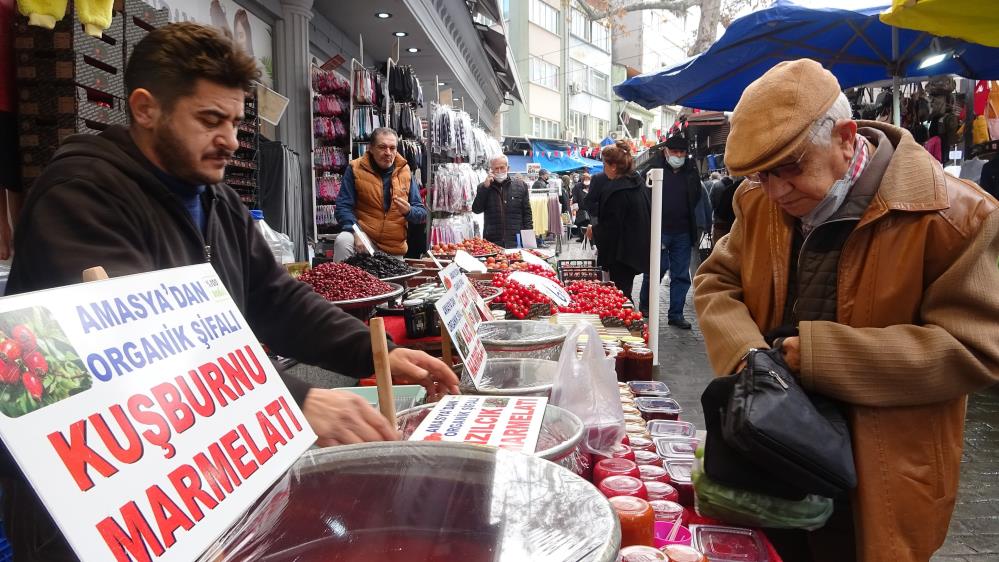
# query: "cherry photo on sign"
{"points": [[38, 365]]}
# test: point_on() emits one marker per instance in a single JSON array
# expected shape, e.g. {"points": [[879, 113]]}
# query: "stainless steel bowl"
{"points": [[404, 501], [522, 338], [512, 377]]}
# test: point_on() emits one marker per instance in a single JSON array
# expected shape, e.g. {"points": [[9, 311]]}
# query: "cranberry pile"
{"points": [[21, 362], [342, 282]]}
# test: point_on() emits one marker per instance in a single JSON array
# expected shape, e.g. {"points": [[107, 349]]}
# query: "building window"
{"points": [[598, 83], [576, 76], [544, 15], [578, 24], [600, 126], [544, 73], [579, 122], [544, 128], [600, 35]]}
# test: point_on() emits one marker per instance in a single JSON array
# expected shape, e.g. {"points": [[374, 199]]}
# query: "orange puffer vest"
{"points": [[387, 229]]}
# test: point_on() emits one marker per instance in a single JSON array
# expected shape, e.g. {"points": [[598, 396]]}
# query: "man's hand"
{"points": [[589, 233], [416, 367], [792, 353], [359, 245], [344, 418], [489, 180], [401, 204]]}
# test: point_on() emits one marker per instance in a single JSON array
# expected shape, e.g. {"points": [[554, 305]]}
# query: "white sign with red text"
{"points": [[143, 411], [508, 422]]}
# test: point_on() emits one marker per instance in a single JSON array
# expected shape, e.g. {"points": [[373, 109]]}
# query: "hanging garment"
{"points": [[933, 146], [539, 212]]}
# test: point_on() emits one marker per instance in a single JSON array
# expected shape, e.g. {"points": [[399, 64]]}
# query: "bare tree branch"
{"points": [[600, 9]]}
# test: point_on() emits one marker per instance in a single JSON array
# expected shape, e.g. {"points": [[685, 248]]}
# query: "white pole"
{"points": [[896, 82], [654, 180]]}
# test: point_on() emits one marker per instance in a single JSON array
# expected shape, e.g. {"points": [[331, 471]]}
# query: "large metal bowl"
{"points": [[364, 307], [428, 502], [522, 338], [512, 377], [561, 430]]}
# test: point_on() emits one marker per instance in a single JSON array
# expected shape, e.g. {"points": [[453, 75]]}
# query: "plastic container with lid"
{"points": [[670, 449], [647, 457], [666, 510], [683, 553], [653, 473], [641, 553], [653, 408], [671, 428], [637, 520], [623, 486], [642, 444], [649, 388], [729, 544], [659, 490], [680, 478], [615, 467]]}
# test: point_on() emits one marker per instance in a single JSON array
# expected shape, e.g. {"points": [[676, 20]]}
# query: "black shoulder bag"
{"points": [[766, 434]]}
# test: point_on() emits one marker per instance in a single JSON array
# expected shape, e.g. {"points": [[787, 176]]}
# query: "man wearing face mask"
{"points": [[682, 190], [875, 273], [506, 204]]}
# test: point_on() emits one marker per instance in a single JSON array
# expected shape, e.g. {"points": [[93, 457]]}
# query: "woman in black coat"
{"points": [[622, 206]]}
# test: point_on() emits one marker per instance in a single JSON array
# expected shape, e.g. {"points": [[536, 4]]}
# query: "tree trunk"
{"points": [[707, 28]]}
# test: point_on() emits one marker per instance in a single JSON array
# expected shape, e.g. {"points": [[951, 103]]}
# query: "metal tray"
{"points": [[370, 301]]}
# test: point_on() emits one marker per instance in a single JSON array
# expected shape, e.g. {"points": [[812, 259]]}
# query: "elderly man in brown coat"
{"points": [[881, 271]]}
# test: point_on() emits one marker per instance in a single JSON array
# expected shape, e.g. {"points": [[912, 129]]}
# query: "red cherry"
{"points": [[36, 363], [10, 372], [25, 336], [10, 349], [33, 385]]}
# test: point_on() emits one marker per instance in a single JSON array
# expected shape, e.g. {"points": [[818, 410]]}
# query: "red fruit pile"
{"points": [[605, 301], [342, 282], [474, 246], [21, 362], [520, 298]]}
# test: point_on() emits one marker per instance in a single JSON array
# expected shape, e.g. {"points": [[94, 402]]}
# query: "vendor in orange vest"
{"points": [[379, 195]]}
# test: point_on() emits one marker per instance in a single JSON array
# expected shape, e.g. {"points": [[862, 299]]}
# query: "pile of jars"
{"points": [[650, 491]]}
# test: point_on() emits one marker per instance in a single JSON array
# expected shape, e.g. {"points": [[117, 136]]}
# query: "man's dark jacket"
{"points": [[98, 204], [694, 189], [507, 208]]}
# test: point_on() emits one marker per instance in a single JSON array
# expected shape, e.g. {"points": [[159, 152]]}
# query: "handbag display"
{"points": [[796, 444]]}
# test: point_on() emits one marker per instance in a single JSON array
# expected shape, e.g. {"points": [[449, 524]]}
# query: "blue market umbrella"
{"points": [[853, 44]]}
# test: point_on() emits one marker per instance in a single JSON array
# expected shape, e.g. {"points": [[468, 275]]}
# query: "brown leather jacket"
{"points": [[917, 330], [387, 229]]}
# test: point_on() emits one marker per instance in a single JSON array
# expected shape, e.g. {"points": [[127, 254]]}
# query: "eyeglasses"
{"points": [[791, 169], [788, 170]]}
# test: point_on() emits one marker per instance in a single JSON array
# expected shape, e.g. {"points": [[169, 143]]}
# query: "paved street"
{"points": [[974, 530]]}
